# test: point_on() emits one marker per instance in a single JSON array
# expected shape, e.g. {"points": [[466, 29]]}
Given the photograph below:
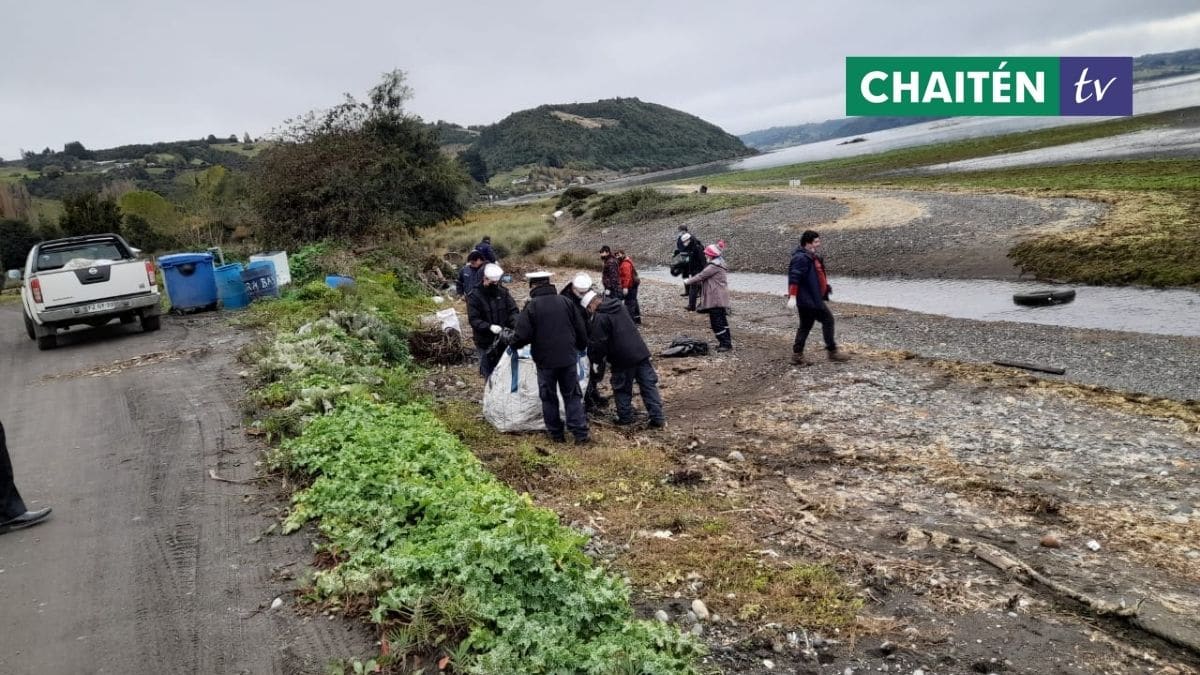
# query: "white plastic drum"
{"points": [[283, 273]]}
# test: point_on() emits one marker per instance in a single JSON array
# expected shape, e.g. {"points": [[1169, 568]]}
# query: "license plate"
{"points": [[100, 307]]}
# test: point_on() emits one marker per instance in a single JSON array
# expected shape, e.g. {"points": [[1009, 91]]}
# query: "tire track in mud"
{"points": [[148, 565]]}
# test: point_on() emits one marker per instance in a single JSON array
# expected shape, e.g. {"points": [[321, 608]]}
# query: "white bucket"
{"points": [[283, 273]]}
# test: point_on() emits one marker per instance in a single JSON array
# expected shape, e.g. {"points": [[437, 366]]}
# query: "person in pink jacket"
{"points": [[714, 295]]}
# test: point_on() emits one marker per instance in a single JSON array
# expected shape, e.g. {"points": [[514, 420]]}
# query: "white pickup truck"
{"points": [[87, 281]]}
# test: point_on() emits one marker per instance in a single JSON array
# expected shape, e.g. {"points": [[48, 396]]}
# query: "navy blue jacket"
{"points": [[469, 278], [554, 329], [802, 278], [486, 249]]}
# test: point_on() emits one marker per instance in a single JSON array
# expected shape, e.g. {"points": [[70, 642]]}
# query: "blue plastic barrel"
{"points": [[190, 281], [337, 281], [259, 279], [230, 287]]}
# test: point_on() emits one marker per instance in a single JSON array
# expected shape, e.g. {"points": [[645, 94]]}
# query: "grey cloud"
{"points": [[127, 71]]}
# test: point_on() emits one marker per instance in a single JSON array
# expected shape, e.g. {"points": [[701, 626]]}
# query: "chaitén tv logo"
{"points": [[979, 85]]}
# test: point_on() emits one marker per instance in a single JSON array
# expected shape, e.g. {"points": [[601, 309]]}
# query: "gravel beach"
{"points": [[1158, 365], [902, 233]]}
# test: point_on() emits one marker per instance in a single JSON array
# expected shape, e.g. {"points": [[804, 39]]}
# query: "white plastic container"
{"points": [[283, 273]]}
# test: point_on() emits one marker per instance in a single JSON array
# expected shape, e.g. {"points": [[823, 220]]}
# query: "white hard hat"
{"points": [[492, 272], [582, 281]]}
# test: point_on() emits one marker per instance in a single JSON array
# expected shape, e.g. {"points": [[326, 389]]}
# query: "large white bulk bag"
{"points": [[510, 398]]}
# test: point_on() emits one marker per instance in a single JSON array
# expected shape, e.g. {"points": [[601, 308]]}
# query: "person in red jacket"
{"points": [[629, 286], [808, 291]]}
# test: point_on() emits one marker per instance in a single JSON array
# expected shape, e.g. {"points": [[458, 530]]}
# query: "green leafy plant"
{"points": [[449, 558]]}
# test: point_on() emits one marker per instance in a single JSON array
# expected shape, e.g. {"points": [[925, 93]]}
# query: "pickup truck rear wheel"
{"points": [[29, 327], [45, 342], [151, 323]]}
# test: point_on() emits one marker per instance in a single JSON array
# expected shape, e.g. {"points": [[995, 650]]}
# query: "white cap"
{"points": [[587, 299], [534, 276], [582, 281], [492, 272], [685, 237]]}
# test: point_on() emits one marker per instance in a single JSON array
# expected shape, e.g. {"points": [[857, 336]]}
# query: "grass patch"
{"points": [[1154, 174], [252, 150], [866, 168], [45, 210], [1147, 238], [622, 491], [812, 596], [515, 230], [648, 204], [15, 174]]}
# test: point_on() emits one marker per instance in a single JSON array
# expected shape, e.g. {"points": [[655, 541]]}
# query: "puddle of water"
{"points": [[1138, 310]]}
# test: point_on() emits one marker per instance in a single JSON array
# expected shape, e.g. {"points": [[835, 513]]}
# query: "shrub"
{"points": [[533, 244], [573, 194]]}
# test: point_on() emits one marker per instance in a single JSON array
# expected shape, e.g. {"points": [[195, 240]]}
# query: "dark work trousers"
{"points": [[647, 382], [807, 318], [565, 381], [10, 499], [631, 304], [718, 318], [693, 295]]}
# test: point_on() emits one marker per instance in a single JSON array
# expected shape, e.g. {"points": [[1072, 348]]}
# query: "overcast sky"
{"points": [[126, 71]]}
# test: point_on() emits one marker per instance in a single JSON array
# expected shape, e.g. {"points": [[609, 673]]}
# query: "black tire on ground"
{"points": [[29, 327], [45, 342], [1044, 298], [151, 323]]}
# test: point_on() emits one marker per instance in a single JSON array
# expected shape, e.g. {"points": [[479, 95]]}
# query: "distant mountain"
{"points": [[1146, 67], [621, 134], [782, 137], [1167, 64]]}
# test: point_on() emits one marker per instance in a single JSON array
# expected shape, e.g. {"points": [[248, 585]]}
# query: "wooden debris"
{"points": [[1031, 366]]}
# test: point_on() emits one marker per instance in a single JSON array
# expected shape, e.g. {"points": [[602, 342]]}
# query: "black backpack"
{"points": [[685, 346]]}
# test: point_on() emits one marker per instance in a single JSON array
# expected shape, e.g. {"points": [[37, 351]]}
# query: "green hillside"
{"points": [[622, 134]]}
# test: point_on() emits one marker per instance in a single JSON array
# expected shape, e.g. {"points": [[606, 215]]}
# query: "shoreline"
{"points": [[1136, 363]]}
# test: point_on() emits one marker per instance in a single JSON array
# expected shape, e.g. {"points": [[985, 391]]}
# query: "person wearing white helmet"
{"points": [[580, 286], [557, 335], [490, 311]]}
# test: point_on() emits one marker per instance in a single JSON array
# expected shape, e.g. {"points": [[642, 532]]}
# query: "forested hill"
{"points": [[621, 134]]}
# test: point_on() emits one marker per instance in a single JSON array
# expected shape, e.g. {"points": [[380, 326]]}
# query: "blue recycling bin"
{"points": [[190, 281], [260, 281], [230, 287]]}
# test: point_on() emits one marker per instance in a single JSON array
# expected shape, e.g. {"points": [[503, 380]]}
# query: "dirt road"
{"points": [[148, 565]]}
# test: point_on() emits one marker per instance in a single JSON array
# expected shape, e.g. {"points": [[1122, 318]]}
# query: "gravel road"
{"points": [[148, 565]]}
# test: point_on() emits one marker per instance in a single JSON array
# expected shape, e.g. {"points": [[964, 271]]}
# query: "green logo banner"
{"points": [[949, 86]]}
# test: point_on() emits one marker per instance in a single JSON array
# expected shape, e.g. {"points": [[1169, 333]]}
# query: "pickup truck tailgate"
{"points": [[95, 282]]}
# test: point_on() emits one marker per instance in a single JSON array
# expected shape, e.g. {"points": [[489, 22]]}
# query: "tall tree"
{"points": [[16, 238], [88, 214], [75, 149], [359, 168]]}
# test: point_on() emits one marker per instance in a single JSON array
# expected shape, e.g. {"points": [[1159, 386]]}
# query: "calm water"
{"points": [[1139, 310]]}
